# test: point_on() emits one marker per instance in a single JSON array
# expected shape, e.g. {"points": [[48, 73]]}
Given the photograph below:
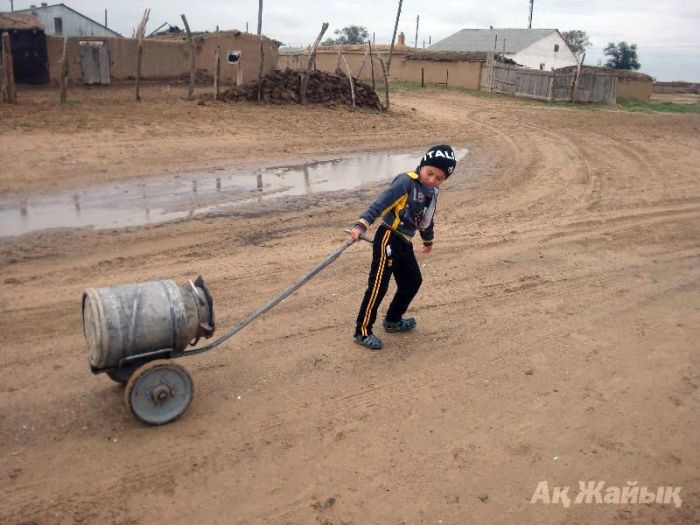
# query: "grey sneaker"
{"points": [[370, 341], [404, 325]]}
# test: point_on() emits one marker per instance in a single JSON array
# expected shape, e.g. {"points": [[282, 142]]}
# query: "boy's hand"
{"points": [[427, 248], [358, 229]]}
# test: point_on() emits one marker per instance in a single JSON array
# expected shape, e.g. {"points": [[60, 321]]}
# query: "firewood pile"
{"points": [[282, 87]]}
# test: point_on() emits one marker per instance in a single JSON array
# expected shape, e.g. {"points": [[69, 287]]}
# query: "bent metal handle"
{"points": [[274, 301]]}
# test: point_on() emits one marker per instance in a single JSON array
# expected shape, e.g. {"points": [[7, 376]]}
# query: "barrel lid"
{"points": [[94, 328]]}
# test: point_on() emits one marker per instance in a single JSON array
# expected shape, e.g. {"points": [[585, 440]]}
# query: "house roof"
{"points": [[491, 40], [22, 22], [39, 8]]}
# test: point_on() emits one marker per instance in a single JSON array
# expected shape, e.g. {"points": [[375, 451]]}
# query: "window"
{"points": [[556, 48], [542, 66], [58, 25]]}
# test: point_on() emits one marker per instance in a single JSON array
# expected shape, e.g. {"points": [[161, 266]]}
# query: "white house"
{"points": [[59, 20], [534, 48]]}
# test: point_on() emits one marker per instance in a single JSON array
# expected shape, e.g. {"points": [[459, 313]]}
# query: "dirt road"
{"points": [[557, 338]]}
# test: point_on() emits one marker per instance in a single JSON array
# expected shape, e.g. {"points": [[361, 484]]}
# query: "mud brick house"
{"points": [[163, 58], [28, 42], [407, 63]]}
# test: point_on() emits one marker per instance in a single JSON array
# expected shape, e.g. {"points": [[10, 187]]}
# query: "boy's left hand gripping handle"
{"points": [[358, 234]]}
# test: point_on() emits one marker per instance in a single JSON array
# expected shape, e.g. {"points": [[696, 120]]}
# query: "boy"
{"points": [[406, 206]]}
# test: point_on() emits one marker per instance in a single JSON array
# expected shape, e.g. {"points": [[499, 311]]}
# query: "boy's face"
{"points": [[431, 177]]}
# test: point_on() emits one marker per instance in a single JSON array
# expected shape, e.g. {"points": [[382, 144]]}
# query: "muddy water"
{"points": [[161, 199]]}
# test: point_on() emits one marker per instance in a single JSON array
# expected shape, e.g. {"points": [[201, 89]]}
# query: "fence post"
{"points": [[312, 60], [63, 81], [9, 76], [578, 72], [217, 64], [193, 58]]}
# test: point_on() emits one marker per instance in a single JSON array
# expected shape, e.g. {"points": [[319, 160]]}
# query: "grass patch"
{"points": [[409, 85], [666, 107], [404, 85]]}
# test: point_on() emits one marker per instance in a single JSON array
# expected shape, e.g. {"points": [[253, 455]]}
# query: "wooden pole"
{"points": [[352, 83], [578, 73], [161, 26], [337, 62], [3, 86], [312, 58], [362, 65], [387, 69], [417, 22], [393, 39], [63, 81], [422, 77], [217, 64], [193, 58], [140, 32], [262, 64], [371, 63], [9, 76]]}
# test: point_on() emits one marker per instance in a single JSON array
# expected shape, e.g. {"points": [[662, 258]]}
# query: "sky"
{"points": [[667, 33]]}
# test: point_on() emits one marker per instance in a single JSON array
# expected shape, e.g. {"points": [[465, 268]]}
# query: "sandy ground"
{"points": [[557, 340]]}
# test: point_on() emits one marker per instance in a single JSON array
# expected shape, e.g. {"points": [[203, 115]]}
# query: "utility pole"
{"points": [[105, 18], [529, 22], [260, 6], [12, 6], [417, 22]]}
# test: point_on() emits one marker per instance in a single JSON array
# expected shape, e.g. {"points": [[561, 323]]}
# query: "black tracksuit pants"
{"points": [[391, 255]]}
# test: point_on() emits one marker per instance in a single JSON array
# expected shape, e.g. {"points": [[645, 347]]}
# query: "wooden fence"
{"points": [[557, 85]]}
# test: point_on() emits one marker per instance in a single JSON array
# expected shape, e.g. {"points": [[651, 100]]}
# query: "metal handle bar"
{"points": [[274, 301]]}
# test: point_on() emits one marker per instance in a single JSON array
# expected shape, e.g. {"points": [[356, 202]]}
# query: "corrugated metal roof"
{"points": [[483, 40], [15, 21]]}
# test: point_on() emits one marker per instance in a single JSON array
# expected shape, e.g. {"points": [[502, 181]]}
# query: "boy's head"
{"points": [[437, 165]]}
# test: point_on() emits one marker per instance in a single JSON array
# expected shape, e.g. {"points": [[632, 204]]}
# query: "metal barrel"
{"points": [[134, 319]]}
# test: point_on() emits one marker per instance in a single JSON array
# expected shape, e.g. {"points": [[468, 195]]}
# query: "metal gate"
{"points": [[94, 62]]}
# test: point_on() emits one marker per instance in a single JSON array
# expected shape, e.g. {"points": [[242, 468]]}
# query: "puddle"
{"points": [[167, 198]]}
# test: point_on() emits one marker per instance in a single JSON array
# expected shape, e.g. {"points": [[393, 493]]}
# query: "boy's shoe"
{"points": [[370, 341], [404, 325]]}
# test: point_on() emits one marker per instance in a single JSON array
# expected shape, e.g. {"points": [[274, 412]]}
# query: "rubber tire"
{"points": [[143, 371]]}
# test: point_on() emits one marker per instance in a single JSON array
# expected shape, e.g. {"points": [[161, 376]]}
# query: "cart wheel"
{"points": [[159, 392], [120, 375]]}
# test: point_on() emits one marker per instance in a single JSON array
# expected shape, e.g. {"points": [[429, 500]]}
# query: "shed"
{"points": [[28, 42]]}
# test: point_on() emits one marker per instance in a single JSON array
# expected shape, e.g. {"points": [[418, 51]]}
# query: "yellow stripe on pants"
{"points": [[377, 284]]}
